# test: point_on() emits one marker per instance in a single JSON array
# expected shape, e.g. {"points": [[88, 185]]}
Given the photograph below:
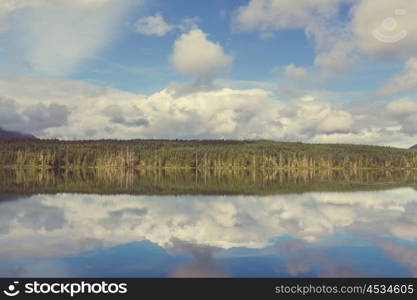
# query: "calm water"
{"points": [[369, 229]]}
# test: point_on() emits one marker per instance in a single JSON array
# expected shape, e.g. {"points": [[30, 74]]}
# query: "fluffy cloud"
{"points": [[9, 5], [156, 25], [337, 121], [35, 118], [377, 29], [72, 109], [404, 111], [382, 29], [385, 27], [374, 28], [153, 25], [316, 17], [194, 54], [221, 113], [77, 34], [402, 107], [273, 15]]}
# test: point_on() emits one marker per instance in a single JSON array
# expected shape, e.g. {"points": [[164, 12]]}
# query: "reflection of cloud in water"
{"points": [[203, 264], [405, 255], [42, 268], [65, 224], [302, 257]]}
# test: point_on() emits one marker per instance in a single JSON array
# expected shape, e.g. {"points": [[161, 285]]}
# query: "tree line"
{"points": [[200, 154]]}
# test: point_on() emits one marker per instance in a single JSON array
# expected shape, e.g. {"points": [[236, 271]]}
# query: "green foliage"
{"points": [[200, 154]]}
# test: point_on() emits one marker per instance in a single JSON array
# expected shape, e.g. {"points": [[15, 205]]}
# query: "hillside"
{"points": [[414, 147], [5, 134], [201, 154]]}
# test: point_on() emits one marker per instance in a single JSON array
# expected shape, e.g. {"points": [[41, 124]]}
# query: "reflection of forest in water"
{"points": [[186, 181]]}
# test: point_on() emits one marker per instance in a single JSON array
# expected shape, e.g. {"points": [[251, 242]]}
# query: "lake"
{"points": [[91, 223]]}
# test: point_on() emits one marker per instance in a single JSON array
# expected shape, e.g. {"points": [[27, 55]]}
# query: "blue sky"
{"points": [[128, 61], [140, 63], [275, 69]]}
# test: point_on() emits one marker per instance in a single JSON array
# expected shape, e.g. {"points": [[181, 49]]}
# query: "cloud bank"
{"points": [[72, 109]]}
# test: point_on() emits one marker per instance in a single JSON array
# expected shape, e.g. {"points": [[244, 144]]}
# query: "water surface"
{"points": [[308, 227]]}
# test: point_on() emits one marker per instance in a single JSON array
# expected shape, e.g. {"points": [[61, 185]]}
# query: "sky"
{"points": [[317, 71]]}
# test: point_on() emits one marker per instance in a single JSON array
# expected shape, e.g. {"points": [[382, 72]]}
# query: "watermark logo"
{"points": [[389, 25], [65, 288], [12, 290]]}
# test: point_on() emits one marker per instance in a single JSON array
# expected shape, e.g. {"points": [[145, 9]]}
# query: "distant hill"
{"points": [[414, 147], [5, 134]]}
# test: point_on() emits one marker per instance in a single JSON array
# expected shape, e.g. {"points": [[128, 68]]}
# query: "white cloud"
{"points": [[402, 107], [406, 81], [156, 25], [315, 17], [11, 5], [387, 18], [338, 44], [95, 112], [153, 25], [55, 37], [337, 121], [194, 54], [405, 112], [292, 71], [379, 30], [273, 15]]}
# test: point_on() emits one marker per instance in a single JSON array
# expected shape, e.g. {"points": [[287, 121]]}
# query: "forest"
{"points": [[200, 155]]}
